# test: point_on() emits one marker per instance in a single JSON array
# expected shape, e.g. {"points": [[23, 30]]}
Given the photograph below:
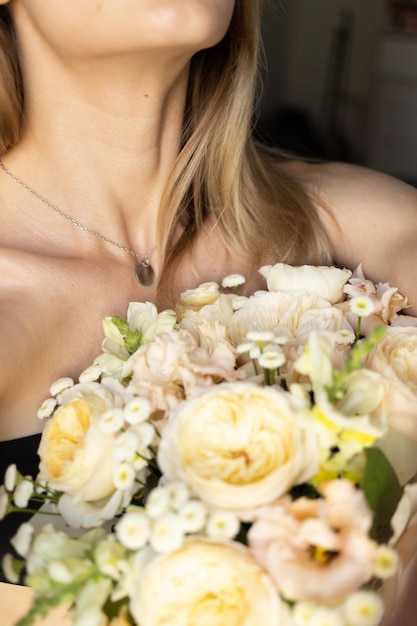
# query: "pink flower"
{"points": [[386, 300], [316, 550]]}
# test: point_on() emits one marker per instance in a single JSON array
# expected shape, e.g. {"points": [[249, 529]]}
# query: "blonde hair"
{"points": [[220, 171]]}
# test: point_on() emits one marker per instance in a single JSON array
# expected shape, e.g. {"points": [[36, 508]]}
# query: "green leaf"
{"points": [[382, 490]]}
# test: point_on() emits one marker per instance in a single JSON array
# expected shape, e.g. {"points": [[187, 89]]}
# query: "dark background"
{"points": [[340, 81]]}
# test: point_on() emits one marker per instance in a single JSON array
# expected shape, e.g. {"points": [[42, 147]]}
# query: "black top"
{"points": [[22, 452]]}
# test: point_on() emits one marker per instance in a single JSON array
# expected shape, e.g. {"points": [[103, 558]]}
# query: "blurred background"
{"points": [[340, 81]]}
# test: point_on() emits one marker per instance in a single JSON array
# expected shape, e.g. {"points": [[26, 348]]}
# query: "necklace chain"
{"points": [[143, 260]]}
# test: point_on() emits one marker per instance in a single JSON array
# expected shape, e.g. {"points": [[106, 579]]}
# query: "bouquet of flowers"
{"points": [[239, 460]]}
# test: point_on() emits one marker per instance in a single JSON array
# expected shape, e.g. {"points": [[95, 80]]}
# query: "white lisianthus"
{"points": [[237, 446], [205, 582], [164, 323], [323, 281], [133, 530], [167, 533], [316, 360]]}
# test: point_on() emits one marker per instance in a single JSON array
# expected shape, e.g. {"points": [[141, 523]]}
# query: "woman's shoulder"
{"points": [[370, 218]]}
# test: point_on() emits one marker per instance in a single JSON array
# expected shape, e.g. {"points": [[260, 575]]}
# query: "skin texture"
{"points": [[104, 98]]}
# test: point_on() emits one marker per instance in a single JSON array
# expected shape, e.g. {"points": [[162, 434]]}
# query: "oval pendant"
{"points": [[144, 274]]}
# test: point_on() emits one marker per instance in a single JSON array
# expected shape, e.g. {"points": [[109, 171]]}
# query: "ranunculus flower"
{"points": [[323, 281], [238, 446], [395, 358], [289, 314], [316, 550], [206, 582]]}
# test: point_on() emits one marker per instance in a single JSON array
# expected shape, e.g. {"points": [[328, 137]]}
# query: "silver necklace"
{"points": [[144, 272]]}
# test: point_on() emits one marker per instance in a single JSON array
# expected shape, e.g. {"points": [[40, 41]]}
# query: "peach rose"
{"points": [[206, 582], [238, 446], [316, 550]]}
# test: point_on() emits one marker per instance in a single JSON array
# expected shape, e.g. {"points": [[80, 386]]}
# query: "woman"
{"points": [[125, 143]]}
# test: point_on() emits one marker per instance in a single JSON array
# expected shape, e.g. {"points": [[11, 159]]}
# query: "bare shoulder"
{"points": [[370, 217]]}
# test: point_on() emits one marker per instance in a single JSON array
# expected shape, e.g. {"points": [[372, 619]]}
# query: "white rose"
{"points": [[206, 582], [291, 315], [238, 446], [327, 282]]}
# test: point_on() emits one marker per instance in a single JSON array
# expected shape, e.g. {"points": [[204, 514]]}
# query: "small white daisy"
{"points": [[167, 533], [222, 525], [60, 385], [23, 493], [233, 280], [47, 408], [386, 562], [345, 337], [137, 410], [158, 502], [302, 613], [193, 515], [124, 476], [271, 360], [112, 421], [126, 446], [324, 616], [362, 306], [90, 375], [260, 336], [10, 477], [146, 433], [133, 530], [363, 608], [178, 494], [245, 347]]}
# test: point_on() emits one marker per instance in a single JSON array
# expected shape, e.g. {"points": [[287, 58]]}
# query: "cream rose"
{"points": [[238, 446], [316, 550], [77, 456], [323, 281], [209, 584], [395, 358], [289, 314]]}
